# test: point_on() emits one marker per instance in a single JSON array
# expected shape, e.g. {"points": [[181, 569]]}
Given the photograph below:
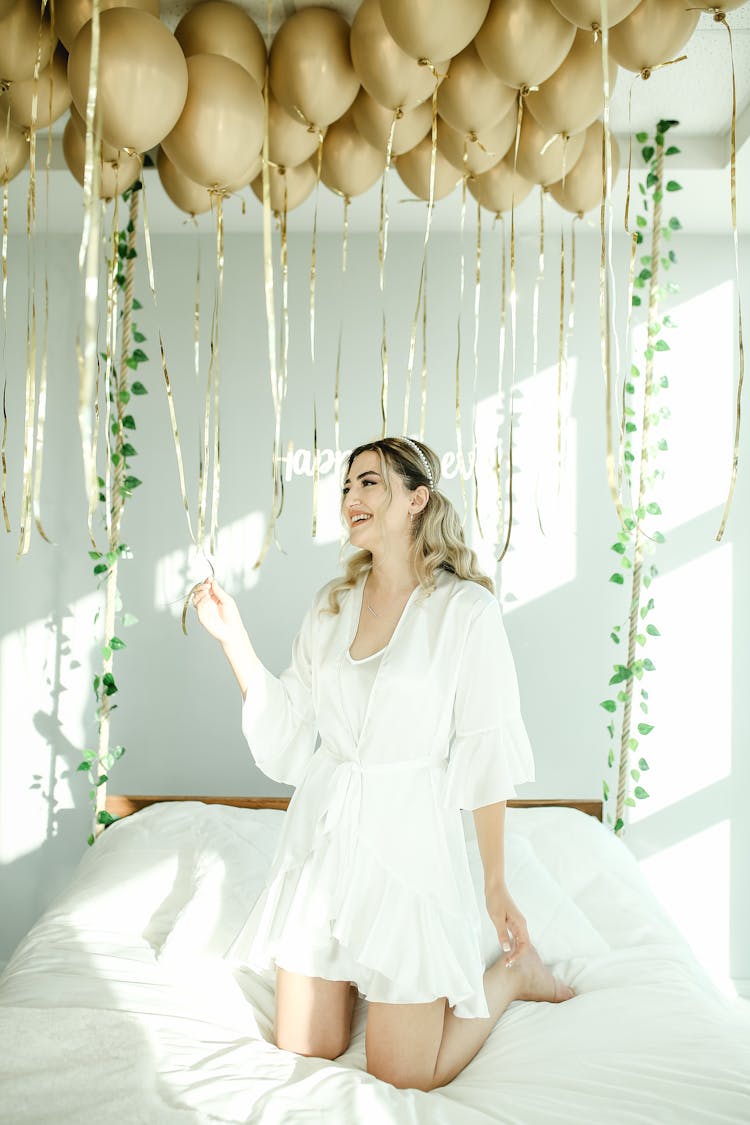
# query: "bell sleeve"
{"points": [[490, 751], [278, 716]]}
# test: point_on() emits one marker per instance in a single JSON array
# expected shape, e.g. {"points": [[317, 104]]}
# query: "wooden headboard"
{"points": [[121, 805]]}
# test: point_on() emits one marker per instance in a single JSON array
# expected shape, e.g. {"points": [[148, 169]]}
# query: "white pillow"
{"points": [[557, 927], [233, 853]]}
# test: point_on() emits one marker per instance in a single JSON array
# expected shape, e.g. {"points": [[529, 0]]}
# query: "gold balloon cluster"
{"points": [[197, 93]]}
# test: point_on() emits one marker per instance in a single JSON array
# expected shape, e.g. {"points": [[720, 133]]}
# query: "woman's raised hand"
{"points": [[217, 611]]}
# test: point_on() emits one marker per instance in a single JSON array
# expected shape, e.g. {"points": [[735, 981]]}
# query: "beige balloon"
{"points": [[499, 189], [23, 33], [115, 178], [573, 96], [654, 33], [71, 15], [142, 77], [5, 7], [584, 187], [14, 151], [186, 194], [310, 67], [374, 122], [414, 169], [216, 27], [390, 76], [588, 13], [289, 141], [220, 130], [481, 151], [109, 152], [350, 165], [543, 156], [299, 183], [472, 98], [433, 29], [524, 41], [52, 94]]}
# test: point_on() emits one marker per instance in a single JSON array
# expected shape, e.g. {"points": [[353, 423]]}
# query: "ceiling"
{"points": [[696, 92]]}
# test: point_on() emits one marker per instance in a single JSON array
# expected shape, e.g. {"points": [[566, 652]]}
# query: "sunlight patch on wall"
{"points": [[542, 552], [701, 399], [692, 881], [690, 692], [238, 545], [46, 720]]}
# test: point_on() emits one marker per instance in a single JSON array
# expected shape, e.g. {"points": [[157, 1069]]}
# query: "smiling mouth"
{"points": [[358, 521]]}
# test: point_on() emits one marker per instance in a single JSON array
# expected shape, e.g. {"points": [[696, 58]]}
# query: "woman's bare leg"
{"points": [[527, 979], [313, 1015]]}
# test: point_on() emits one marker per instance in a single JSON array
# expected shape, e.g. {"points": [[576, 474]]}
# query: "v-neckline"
{"points": [[357, 613]]}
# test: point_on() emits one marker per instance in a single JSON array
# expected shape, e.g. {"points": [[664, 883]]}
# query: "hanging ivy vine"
{"points": [[642, 445], [98, 762]]}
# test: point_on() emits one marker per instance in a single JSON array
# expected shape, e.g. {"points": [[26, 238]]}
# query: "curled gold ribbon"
{"points": [[500, 368], [720, 17], [384, 379], [316, 472], [383, 229], [313, 250], [423, 411]]}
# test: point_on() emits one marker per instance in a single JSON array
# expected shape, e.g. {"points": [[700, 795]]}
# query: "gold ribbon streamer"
{"points": [[500, 367], [462, 273], [720, 17], [537, 286], [423, 412], [214, 364], [384, 379], [561, 359], [383, 229], [430, 208], [88, 261], [6, 518], [271, 333], [513, 322], [165, 372], [477, 285], [313, 251], [605, 296]]}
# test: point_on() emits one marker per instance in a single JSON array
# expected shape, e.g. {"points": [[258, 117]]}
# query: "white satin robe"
{"points": [[370, 881]]}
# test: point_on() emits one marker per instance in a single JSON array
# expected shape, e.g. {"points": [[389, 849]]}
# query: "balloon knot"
{"points": [[719, 16], [646, 73], [399, 113], [597, 30]]}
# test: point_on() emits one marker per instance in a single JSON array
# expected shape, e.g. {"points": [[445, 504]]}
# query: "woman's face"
{"points": [[370, 519]]}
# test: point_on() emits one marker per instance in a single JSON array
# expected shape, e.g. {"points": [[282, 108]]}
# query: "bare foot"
{"points": [[536, 982]]}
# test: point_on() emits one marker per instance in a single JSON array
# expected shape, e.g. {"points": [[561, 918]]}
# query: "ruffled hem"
{"points": [[396, 947], [486, 766]]}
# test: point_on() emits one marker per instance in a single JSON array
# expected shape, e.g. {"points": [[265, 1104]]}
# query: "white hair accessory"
{"points": [[422, 458]]}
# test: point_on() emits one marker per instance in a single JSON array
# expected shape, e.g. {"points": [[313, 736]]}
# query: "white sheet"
{"points": [[115, 962]]}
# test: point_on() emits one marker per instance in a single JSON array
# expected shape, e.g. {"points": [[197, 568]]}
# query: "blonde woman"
{"points": [[403, 669]]}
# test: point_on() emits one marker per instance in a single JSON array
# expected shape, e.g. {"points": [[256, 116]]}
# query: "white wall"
{"points": [[179, 707]]}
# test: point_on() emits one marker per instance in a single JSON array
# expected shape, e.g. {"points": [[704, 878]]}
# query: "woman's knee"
{"points": [[313, 1016]]}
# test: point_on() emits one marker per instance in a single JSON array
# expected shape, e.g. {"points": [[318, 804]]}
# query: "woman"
{"points": [[403, 668]]}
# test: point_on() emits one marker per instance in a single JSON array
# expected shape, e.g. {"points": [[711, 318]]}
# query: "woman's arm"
{"points": [[505, 915], [218, 614], [489, 821]]}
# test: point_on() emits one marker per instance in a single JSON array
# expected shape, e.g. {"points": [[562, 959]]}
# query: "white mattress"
{"points": [[118, 999]]}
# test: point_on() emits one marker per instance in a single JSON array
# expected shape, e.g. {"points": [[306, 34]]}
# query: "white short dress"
{"points": [[370, 882]]}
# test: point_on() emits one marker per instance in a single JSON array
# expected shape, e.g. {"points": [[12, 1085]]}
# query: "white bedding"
{"points": [[119, 996]]}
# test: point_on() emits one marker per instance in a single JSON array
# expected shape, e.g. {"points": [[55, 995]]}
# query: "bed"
{"points": [[119, 999]]}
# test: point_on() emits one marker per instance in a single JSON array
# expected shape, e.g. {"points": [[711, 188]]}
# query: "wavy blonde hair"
{"points": [[437, 538]]}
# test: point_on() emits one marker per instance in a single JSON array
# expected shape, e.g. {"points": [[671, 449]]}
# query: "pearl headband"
{"points": [[422, 458]]}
